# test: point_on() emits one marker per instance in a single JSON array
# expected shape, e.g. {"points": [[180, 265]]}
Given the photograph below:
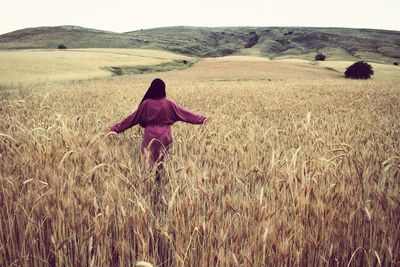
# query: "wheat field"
{"points": [[298, 166], [26, 67]]}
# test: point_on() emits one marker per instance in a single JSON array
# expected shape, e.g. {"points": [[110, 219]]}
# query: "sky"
{"points": [[129, 15]]}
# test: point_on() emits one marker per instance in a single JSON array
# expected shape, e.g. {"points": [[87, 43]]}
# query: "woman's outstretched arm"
{"points": [[130, 121], [184, 115]]}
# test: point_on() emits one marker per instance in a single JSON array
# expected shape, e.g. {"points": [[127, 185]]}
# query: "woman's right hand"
{"points": [[109, 129]]}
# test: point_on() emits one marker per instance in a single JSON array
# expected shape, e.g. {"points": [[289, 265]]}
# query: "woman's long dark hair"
{"points": [[155, 91]]}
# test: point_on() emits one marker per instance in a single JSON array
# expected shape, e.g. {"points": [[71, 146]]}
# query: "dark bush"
{"points": [[396, 63], [320, 57], [61, 46], [359, 70], [184, 61]]}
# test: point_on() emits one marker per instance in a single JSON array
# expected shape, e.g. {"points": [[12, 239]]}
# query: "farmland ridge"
{"points": [[271, 42]]}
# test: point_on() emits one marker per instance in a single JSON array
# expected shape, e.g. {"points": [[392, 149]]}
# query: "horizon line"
{"points": [[191, 26]]}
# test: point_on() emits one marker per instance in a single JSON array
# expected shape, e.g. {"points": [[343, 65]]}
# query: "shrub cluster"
{"points": [[320, 57], [359, 70]]}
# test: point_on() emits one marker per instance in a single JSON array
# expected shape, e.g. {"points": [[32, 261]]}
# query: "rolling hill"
{"points": [[271, 42]]}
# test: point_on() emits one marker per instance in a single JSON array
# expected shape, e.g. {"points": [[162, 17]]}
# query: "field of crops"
{"points": [[51, 65], [298, 166]]}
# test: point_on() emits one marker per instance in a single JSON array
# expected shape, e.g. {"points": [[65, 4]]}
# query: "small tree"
{"points": [[320, 57], [359, 70], [61, 46]]}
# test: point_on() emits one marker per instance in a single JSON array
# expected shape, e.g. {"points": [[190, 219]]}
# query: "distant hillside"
{"points": [[70, 36], [272, 42]]}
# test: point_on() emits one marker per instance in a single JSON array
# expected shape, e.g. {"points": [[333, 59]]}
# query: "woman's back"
{"points": [[156, 116], [164, 111], [157, 111]]}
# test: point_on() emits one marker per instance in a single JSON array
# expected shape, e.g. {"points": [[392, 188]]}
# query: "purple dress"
{"points": [[157, 115]]}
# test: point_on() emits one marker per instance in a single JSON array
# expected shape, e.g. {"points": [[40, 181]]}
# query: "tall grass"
{"points": [[293, 172]]}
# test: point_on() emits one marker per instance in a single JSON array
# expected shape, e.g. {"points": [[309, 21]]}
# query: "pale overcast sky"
{"points": [[128, 15]]}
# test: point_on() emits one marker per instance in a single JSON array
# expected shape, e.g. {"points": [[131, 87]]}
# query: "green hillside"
{"points": [[271, 42]]}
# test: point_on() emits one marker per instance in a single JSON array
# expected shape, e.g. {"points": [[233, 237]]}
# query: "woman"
{"points": [[156, 114]]}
